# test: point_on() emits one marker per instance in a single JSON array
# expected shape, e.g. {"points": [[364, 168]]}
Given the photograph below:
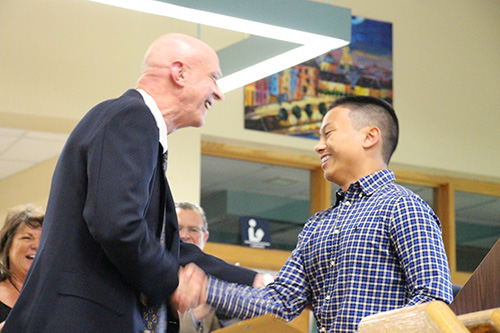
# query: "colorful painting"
{"points": [[294, 101]]}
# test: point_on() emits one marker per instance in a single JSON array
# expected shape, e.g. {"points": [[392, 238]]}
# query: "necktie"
{"points": [[155, 318], [165, 161]]}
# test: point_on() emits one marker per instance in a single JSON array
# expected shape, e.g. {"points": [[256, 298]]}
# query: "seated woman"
{"points": [[19, 238]]}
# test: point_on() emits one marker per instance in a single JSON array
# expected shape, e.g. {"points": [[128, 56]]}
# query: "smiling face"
{"points": [[23, 249], [201, 87], [191, 227], [180, 72], [341, 148]]}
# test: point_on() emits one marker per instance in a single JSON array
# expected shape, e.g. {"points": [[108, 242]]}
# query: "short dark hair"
{"points": [[366, 111], [29, 215]]}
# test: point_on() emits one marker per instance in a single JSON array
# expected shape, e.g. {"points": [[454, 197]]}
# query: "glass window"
{"points": [[233, 189], [477, 228]]}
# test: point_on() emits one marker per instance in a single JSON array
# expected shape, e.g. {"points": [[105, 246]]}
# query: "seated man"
{"points": [[193, 228]]}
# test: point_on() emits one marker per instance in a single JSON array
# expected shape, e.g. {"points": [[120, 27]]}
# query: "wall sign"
{"points": [[255, 232]]}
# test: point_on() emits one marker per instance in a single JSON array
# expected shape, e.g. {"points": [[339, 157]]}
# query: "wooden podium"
{"points": [[427, 317], [262, 324], [431, 317], [487, 321], [482, 291]]}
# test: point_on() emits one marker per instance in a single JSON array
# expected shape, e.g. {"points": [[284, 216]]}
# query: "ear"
{"points": [[177, 73], [205, 237], [372, 137]]}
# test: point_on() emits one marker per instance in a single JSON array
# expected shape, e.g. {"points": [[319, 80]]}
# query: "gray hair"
{"points": [[194, 207]]}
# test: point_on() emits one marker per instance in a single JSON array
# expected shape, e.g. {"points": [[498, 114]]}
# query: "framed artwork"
{"points": [[294, 101]]}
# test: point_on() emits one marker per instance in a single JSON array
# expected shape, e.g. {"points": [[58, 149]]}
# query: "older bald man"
{"points": [[110, 238]]}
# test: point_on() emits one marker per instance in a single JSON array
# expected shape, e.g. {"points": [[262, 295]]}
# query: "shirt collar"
{"points": [[155, 111], [369, 184]]}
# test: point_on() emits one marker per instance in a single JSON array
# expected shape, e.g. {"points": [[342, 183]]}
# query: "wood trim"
{"points": [[266, 259], [321, 191], [260, 156], [418, 178], [311, 163], [461, 278], [478, 187], [444, 201], [459, 184]]}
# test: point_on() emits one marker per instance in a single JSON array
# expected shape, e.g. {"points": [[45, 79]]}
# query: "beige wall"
{"points": [[31, 185], [58, 58], [446, 86]]}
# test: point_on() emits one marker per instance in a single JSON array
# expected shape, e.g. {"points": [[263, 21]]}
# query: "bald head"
{"points": [[174, 47], [180, 73]]}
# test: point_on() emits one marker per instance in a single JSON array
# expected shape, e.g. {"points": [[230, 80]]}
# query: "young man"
{"points": [[378, 248]]}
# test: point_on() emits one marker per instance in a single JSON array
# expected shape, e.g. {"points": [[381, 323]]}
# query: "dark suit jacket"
{"points": [[100, 243]]}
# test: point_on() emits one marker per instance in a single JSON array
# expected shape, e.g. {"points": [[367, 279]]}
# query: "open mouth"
{"points": [[208, 105], [30, 256]]}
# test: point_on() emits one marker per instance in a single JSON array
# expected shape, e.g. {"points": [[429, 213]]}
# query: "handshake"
{"points": [[191, 290]]}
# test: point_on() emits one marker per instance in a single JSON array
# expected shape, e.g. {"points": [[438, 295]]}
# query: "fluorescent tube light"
{"points": [[311, 29], [270, 66]]}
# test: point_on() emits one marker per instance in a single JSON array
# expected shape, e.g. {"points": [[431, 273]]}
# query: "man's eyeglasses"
{"points": [[191, 230]]}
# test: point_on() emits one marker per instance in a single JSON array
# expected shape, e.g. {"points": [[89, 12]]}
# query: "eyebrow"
{"points": [[325, 127], [216, 75]]}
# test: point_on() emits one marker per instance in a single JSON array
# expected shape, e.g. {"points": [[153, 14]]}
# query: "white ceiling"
{"points": [[22, 149]]}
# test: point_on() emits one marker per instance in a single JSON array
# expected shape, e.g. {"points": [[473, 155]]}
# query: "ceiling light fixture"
{"points": [[285, 32]]}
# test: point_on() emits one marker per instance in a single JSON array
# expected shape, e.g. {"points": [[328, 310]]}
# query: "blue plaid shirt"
{"points": [[377, 249]]}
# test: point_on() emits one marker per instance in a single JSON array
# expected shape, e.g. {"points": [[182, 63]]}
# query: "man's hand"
{"points": [[191, 290]]}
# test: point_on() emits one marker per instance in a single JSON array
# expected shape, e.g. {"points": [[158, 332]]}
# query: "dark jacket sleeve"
{"points": [[215, 266]]}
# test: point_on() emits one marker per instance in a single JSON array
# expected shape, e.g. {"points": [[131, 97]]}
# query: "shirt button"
{"points": [[322, 329], [332, 263], [327, 297], [347, 203], [336, 231]]}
